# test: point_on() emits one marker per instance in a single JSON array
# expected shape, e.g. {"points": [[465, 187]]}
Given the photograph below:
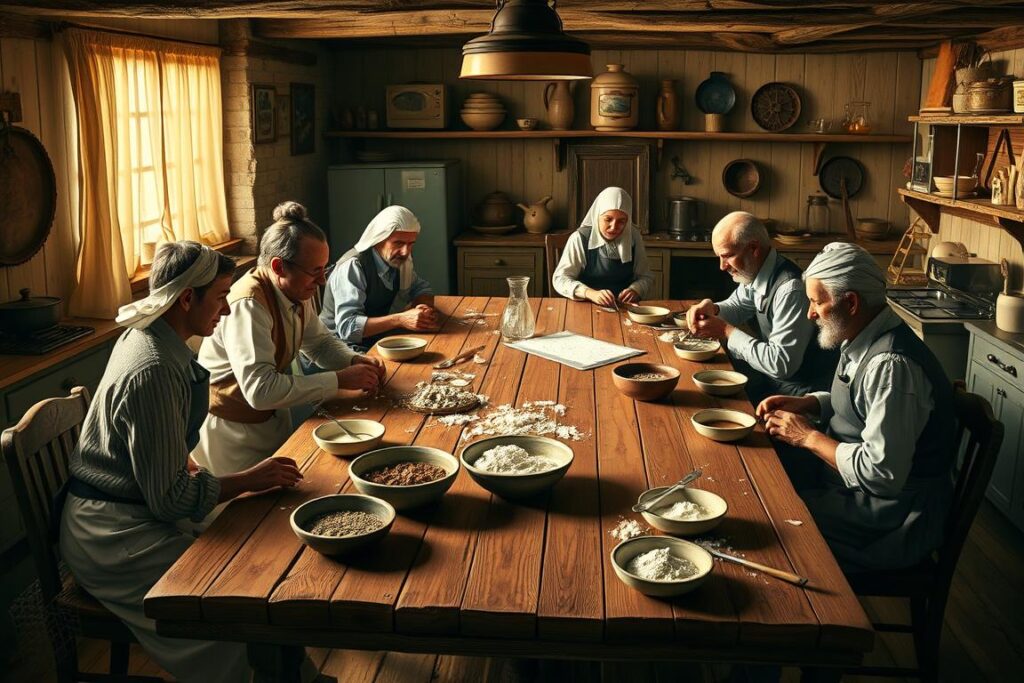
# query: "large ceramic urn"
{"points": [[614, 99]]}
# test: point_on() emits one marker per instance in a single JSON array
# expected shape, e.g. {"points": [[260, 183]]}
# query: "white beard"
{"points": [[742, 278], [831, 331]]}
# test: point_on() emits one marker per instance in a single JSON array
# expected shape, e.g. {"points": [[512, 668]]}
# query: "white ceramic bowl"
{"points": [[964, 183], [336, 545], [404, 497], [512, 485], [527, 124], [624, 552], [648, 315], [401, 348], [679, 318], [331, 439], [714, 504], [482, 120], [720, 382], [709, 423], [697, 349]]}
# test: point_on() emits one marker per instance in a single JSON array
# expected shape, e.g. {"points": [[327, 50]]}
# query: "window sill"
{"points": [[140, 281]]}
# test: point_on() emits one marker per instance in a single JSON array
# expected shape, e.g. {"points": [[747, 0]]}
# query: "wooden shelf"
{"points": [[739, 136], [971, 120], [930, 208]]}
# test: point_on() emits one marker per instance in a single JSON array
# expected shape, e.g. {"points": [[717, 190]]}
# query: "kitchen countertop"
{"points": [[1014, 342], [13, 368]]}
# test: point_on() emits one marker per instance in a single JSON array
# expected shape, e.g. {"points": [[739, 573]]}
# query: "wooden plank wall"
{"points": [[982, 239], [525, 169]]}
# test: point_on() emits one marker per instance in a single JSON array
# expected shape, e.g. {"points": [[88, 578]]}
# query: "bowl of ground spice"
{"points": [[516, 466], [401, 348], [720, 382], [333, 525], [722, 424], [405, 476], [645, 381], [661, 566], [685, 511]]}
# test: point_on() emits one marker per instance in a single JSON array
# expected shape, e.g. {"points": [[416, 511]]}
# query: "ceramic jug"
{"points": [[668, 107], [613, 100], [559, 105], [496, 209], [536, 216]]}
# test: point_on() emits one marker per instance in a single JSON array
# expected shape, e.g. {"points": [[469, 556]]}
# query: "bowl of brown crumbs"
{"points": [[333, 525], [404, 476], [645, 381]]}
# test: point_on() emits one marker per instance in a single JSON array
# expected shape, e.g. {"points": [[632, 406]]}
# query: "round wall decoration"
{"points": [[28, 193], [775, 107]]}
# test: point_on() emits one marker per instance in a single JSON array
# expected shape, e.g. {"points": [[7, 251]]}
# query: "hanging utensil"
{"points": [[464, 356], [647, 505], [846, 210], [771, 571]]}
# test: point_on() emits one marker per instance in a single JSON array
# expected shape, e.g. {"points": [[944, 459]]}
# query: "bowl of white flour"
{"points": [[661, 566], [685, 511], [516, 466]]}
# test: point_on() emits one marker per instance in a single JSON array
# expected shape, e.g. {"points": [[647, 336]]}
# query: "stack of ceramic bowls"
{"points": [[483, 111]]}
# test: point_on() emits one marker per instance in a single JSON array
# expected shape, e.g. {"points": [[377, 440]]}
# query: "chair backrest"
{"points": [[554, 245], [36, 451], [983, 435]]}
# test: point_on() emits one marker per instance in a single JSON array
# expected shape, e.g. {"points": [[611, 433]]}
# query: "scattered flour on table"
{"points": [[480, 360], [661, 565], [683, 511], [450, 375], [509, 459], [359, 409], [629, 528], [794, 522], [627, 323], [673, 337], [539, 418]]}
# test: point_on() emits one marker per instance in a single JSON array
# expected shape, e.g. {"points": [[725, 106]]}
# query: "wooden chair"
{"points": [[36, 451], [927, 584], [554, 245]]}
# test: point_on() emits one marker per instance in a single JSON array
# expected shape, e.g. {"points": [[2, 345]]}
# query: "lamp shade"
{"points": [[526, 43]]}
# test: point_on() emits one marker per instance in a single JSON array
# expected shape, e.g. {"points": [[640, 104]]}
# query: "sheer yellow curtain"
{"points": [[150, 156]]}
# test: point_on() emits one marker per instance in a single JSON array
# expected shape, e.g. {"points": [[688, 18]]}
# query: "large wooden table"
{"points": [[478, 575]]}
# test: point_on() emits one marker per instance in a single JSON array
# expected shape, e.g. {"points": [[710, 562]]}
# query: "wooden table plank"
{"points": [[504, 581], [629, 615], [432, 594], [571, 604]]}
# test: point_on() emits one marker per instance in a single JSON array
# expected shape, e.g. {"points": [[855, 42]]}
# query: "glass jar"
{"points": [[817, 217], [860, 118], [517, 319]]}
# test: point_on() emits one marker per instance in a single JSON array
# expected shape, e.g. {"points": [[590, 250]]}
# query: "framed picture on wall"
{"points": [[303, 98], [264, 113]]}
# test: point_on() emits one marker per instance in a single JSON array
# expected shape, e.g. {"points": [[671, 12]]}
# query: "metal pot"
{"points": [[29, 313], [991, 96]]}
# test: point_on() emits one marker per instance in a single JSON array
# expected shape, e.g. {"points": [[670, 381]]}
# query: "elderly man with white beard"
{"points": [[883, 444]]}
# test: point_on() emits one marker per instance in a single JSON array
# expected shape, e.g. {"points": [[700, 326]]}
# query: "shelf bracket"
{"points": [[930, 213], [559, 150], [1015, 228], [819, 151]]}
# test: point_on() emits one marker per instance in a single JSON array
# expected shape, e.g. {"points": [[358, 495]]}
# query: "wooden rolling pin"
{"points": [[771, 571]]}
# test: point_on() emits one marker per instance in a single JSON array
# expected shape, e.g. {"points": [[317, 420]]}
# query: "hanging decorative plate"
{"points": [[28, 195], [716, 95], [834, 170], [775, 107]]}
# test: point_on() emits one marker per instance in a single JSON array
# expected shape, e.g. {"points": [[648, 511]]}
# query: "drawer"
{"points": [[85, 370], [524, 260], [1007, 366], [656, 259]]}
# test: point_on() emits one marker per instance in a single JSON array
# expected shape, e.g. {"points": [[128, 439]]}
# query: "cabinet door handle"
{"points": [[1001, 392], [1001, 365], [499, 261]]}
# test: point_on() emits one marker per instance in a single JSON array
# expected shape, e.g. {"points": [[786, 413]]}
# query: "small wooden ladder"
{"points": [[899, 273]]}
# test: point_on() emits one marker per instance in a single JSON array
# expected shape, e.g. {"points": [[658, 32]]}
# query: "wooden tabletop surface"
{"points": [[476, 574]]}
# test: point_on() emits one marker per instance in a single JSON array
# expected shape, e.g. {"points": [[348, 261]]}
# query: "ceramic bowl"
{"points": [[337, 545], [720, 382], [484, 107], [679, 318], [483, 120], [645, 390], [331, 439], [527, 124], [714, 504], [964, 183], [648, 315], [404, 497], [697, 349], [722, 424], [494, 229], [510, 485], [401, 348], [624, 552], [872, 228]]}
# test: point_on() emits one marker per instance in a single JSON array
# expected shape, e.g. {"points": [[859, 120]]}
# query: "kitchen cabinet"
{"points": [[430, 189], [482, 270], [996, 372]]}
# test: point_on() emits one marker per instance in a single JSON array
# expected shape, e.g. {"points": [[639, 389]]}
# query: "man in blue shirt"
{"points": [[374, 288]]}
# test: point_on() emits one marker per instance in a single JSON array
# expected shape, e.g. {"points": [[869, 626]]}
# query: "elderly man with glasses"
{"points": [[251, 356]]}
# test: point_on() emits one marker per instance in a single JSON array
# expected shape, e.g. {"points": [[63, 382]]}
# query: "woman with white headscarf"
{"points": [[374, 287], [605, 261]]}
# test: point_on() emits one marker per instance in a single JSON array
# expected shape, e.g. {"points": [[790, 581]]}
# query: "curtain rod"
{"points": [[58, 26]]}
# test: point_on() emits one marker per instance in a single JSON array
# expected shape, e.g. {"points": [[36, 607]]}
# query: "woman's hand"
{"points": [[793, 404], [601, 297], [373, 362], [629, 296], [272, 473], [359, 377]]}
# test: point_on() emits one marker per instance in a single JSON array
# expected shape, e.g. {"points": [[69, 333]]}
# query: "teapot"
{"points": [[495, 210], [536, 216]]}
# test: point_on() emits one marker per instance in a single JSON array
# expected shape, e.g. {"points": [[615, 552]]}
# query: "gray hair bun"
{"points": [[290, 211]]}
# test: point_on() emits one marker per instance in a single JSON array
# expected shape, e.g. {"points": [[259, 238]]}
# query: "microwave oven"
{"points": [[417, 105]]}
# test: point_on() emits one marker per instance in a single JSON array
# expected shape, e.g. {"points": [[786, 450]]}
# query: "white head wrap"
{"points": [[842, 266], [392, 219], [140, 314], [611, 199]]}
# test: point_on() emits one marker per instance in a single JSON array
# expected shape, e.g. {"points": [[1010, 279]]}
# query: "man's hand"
{"points": [[601, 297], [372, 361], [712, 327], [788, 427], [699, 311], [792, 404], [420, 317], [359, 377], [271, 473], [629, 296]]}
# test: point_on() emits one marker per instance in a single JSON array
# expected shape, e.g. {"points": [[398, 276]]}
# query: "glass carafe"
{"points": [[517, 319], [817, 217]]}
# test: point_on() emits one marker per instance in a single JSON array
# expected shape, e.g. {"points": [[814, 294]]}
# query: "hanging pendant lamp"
{"points": [[526, 43]]}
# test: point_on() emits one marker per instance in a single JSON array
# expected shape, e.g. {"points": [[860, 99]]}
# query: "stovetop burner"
{"points": [[43, 341], [937, 304]]}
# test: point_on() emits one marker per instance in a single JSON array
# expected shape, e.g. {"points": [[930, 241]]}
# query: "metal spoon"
{"points": [[348, 432], [647, 505]]}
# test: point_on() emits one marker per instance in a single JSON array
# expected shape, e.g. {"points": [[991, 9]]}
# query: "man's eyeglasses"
{"points": [[315, 274]]}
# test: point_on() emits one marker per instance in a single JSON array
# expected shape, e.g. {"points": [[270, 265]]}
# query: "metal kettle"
{"points": [[684, 216]]}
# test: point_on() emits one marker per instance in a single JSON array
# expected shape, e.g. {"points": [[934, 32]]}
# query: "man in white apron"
{"points": [[131, 477]]}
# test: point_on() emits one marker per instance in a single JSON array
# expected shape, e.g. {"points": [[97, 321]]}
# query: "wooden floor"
{"points": [[983, 639]]}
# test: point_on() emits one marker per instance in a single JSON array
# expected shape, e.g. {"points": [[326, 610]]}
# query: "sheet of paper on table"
{"points": [[576, 350]]}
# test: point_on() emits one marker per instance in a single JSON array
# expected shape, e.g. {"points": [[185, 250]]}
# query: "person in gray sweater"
{"points": [[131, 475]]}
